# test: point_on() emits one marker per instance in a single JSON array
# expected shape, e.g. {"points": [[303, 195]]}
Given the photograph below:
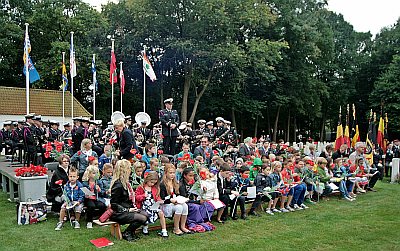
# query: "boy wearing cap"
{"points": [[169, 121]]}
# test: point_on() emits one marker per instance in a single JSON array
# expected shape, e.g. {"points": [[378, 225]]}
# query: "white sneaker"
{"points": [[89, 225], [276, 210], [361, 190], [145, 230], [284, 210], [268, 211], [296, 207], [290, 209], [304, 206], [59, 226], [77, 225], [347, 198]]}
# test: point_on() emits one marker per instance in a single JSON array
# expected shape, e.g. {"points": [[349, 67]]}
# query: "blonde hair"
{"points": [[137, 165], [90, 169], [121, 173], [119, 122], [276, 164], [84, 143], [170, 185]]}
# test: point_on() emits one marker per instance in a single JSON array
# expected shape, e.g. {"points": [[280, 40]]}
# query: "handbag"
{"points": [[106, 215]]}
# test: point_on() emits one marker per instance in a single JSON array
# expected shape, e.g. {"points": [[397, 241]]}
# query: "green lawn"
{"points": [[370, 223]]}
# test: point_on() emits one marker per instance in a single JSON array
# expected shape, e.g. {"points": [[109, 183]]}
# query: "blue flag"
{"points": [[33, 73]]}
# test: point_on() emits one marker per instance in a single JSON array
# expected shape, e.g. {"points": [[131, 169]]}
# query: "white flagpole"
{"points": [[27, 68], [94, 88], [112, 79], [120, 70], [144, 84], [63, 86], [72, 78]]}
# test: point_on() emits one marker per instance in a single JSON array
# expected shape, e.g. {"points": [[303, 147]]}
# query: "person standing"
{"points": [[169, 121]]}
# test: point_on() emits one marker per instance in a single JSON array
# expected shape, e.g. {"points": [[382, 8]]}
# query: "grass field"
{"points": [[370, 223]]}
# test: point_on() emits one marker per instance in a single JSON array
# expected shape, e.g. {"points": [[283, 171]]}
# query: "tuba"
{"points": [[117, 116], [142, 117]]}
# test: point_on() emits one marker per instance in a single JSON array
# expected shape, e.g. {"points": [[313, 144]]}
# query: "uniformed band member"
{"points": [[210, 131], [54, 132], [169, 121]]}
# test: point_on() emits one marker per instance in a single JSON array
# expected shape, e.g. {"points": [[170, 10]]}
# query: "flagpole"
{"points": [[144, 84], [94, 87], [72, 78], [63, 87], [27, 68], [120, 70], [112, 79]]}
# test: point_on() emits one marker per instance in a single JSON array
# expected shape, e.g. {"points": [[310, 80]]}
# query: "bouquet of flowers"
{"points": [[55, 149], [29, 171]]}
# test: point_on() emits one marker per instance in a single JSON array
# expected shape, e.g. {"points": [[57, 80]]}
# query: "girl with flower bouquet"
{"points": [[95, 203]]}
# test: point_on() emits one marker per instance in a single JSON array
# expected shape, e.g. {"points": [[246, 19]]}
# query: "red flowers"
{"points": [[91, 158], [58, 145], [203, 175], [47, 155], [70, 142], [191, 182], [59, 182], [28, 171], [185, 157], [79, 153], [216, 152], [208, 155], [133, 151], [159, 152], [112, 141], [138, 156]]}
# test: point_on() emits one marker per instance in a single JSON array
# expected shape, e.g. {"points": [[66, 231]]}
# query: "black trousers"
{"points": [[91, 211], [374, 179], [231, 203], [169, 143], [260, 199]]}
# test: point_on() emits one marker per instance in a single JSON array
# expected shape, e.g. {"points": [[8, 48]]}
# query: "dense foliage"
{"points": [[281, 67]]}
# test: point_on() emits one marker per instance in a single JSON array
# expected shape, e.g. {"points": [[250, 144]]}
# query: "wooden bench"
{"points": [[115, 228]]}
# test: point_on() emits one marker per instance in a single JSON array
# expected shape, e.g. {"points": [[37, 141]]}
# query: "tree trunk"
{"points": [[268, 122], [276, 123], [288, 128], [186, 88], [162, 96], [294, 129], [256, 127], [233, 118], [321, 135], [199, 95]]}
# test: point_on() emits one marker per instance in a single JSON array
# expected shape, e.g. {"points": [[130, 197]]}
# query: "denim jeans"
{"points": [[298, 195]]}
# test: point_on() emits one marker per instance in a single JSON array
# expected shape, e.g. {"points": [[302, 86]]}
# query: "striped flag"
{"points": [[148, 69], [72, 61], [96, 85], [122, 81]]}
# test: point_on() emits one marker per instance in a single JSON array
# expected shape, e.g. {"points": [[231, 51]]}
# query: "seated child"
{"points": [[225, 190], [137, 175], [73, 197], [146, 195], [240, 183], [95, 204], [263, 182], [105, 157], [105, 181], [185, 150]]}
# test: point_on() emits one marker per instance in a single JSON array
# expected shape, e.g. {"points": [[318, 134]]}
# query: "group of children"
{"points": [[192, 192]]}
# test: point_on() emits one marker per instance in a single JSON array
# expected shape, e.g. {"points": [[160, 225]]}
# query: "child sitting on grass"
{"points": [[73, 196], [146, 195]]}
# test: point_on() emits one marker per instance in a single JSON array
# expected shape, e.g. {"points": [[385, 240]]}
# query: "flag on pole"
{"points": [[339, 132], [148, 68], [122, 81], [381, 134], [72, 61], [346, 135], [369, 154], [113, 68], [33, 73], [64, 77], [96, 83], [354, 129]]}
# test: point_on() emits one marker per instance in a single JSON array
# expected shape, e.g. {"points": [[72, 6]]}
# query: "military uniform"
{"points": [[30, 142], [167, 119]]}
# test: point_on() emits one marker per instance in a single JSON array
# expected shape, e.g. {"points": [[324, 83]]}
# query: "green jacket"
{"points": [[323, 177]]}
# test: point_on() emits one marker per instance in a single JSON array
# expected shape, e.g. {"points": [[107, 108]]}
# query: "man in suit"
{"points": [[246, 150], [169, 121]]}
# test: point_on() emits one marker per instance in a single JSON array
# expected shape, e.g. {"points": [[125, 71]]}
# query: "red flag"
{"points": [[122, 81], [113, 67]]}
